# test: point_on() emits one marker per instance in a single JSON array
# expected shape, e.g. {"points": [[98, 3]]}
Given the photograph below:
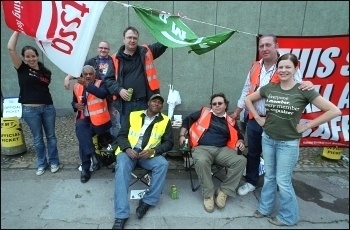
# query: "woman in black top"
{"points": [[38, 110]]}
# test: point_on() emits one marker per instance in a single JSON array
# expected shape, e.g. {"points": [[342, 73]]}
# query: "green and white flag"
{"points": [[172, 32]]}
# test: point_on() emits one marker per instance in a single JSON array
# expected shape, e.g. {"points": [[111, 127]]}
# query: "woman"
{"points": [[280, 139], [37, 106]]}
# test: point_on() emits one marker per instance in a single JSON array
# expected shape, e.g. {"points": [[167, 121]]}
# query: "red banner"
{"points": [[63, 30], [324, 60]]}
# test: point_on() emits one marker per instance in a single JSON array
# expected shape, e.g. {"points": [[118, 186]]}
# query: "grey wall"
{"points": [[197, 77]]}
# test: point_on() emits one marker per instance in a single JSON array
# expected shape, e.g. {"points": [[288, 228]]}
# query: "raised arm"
{"points": [[11, 46], [66, 81]]}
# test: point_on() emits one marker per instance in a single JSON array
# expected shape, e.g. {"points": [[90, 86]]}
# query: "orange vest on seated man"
{"points": [[198, 128], [97, 107], [151, 71], [254, 77]]}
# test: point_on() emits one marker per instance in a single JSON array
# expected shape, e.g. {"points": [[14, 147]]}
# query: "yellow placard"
{"points": [[11, 132], [332, 152]]}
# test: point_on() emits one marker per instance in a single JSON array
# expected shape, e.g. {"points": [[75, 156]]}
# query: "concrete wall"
{"points": [[197, 77]]}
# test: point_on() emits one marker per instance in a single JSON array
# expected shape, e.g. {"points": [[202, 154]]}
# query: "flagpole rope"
{"points": [[184, 17]]}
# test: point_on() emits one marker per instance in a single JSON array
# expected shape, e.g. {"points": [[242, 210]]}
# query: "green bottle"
{"points": [[130, 91], [174, 193], [185, 146]]}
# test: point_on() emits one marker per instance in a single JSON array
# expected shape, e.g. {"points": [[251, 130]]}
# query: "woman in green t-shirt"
{"points": [[280, 139]]}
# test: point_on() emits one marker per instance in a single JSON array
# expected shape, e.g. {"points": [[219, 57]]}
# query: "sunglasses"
{"points": [[103, 48], [217, 103]]}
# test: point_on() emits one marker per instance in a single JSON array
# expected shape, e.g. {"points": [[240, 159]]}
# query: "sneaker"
{"points": [[258, 214], [119, 223], [244, 189], [209, 204], [142, 209], [276, 222], [54, 168], [220, 198], [40, 171]]}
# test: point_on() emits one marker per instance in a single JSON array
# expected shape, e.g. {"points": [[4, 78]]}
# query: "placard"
{"points": [[11, 107]]}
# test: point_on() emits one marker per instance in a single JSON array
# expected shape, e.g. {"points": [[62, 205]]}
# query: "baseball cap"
{"points": [[157, 96]]}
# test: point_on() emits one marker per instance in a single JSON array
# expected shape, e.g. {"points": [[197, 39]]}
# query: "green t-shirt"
{"points": [[284, 109]]}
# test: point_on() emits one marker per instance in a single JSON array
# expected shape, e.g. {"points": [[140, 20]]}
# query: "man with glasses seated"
{"points": [[215, 139]]}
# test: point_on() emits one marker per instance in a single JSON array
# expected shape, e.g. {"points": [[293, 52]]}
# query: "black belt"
{"points": [[140, 99]]}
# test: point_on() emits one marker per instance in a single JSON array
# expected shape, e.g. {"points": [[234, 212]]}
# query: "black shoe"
{"points": [[119, 223], [85, 176], [142, 209]]}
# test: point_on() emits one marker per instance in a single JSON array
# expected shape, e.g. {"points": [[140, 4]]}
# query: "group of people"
{"points": [[146, 133]]}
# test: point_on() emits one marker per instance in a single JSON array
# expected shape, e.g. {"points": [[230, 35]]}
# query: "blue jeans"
{"points": [[159, 166], [37, 118], [254, 131], [131, 106], [280, 159]]}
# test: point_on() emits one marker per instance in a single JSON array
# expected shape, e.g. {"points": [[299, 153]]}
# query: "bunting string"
{"points": [[194, 20]]}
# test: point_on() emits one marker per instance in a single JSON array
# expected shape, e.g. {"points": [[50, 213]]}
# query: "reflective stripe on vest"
{"points": [[151, 72], [135, 130], [202, 124], [96, 107], [254, 77]]}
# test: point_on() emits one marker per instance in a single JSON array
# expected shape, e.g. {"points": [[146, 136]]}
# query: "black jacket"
{"points": [[114, 86]]}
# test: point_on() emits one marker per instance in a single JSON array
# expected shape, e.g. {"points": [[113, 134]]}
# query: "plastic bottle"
{"points": [[130, 91], [185, 145], [174, 193], [114, 130]]}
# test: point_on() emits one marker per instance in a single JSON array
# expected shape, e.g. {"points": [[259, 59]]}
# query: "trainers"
{"points": [[276, 222], [54, 168], [258, 214], [209, 204], [244, 189], [119, 223], [40, 171], [142, 209], [220, 198]]}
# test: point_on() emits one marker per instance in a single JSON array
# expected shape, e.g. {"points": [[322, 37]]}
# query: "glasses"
{"points": [[103, 48], [217, 103]]}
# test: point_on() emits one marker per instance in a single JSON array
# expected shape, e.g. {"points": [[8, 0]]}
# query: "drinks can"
{"points": [[130, 91]]}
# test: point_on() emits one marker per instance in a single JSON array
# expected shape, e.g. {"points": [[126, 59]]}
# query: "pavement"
{"points": [[60, 201]]}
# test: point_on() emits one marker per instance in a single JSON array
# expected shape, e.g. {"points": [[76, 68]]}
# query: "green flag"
{"points": [[172, 32]]}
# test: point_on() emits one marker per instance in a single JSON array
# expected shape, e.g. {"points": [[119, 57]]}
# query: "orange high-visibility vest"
{"points": [[151, 72], [254, 77], [198, 128], [97, 107]]}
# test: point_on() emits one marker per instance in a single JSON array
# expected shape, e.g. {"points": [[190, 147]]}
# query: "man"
{"points": [[134, 69], [261, 73], [104, 66], [142, 140], [102, 63], [92, 118], [215, 138]]}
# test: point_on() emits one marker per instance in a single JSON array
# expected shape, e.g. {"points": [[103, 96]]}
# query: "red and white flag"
{"points": [[62, 29]]}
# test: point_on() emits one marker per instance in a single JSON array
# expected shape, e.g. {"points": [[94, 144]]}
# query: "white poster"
{"points": [[12, 108]]}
